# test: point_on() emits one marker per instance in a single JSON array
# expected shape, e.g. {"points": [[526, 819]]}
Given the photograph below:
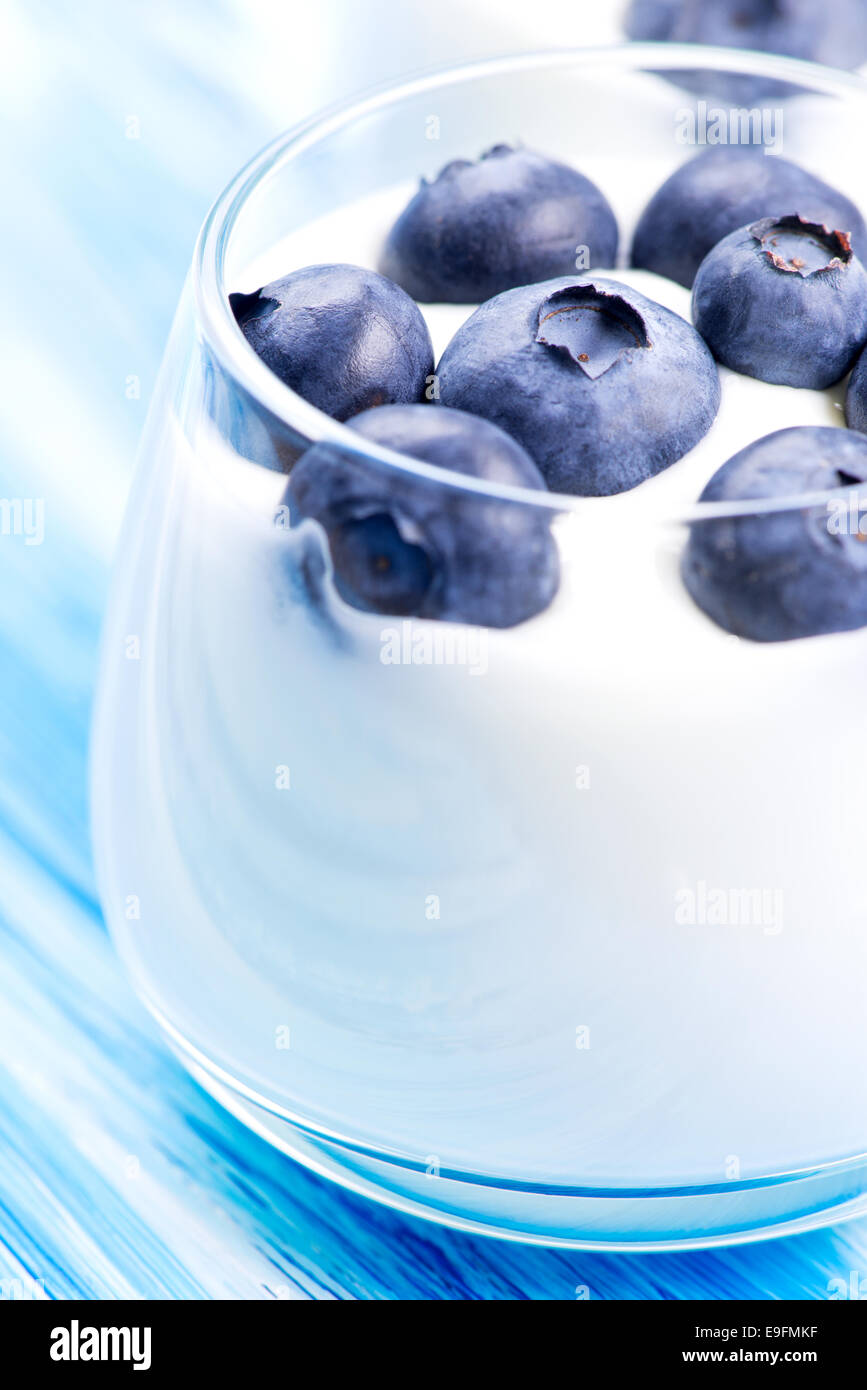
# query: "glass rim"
{"points": [[216, 322]]}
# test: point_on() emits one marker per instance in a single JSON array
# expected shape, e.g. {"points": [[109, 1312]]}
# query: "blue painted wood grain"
{"points": [[118, 1177]]}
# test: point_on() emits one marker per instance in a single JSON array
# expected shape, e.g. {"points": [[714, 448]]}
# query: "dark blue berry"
{"points": [[512, 218], [345, 338], [724, 189], [793, 573], [405, 545], [834, 34], [856, 396], [602, 386], [783, 300]]}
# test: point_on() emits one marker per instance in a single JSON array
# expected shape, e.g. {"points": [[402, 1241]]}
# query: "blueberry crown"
{"points": [[797, 246], [591, 326]]}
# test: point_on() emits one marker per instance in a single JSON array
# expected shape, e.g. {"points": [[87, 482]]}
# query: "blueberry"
{"points": [[783, 300], [856, 396], [791, 573], [832, 34], [344, 338], [726, 188], [603, 387], [512, 218], [410, 546], [652, 21]]}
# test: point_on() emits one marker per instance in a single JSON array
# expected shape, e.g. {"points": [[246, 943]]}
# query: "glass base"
{"points": [[580, 1219]]}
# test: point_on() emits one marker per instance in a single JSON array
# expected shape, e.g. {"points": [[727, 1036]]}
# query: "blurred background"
{"points": [[120, 123]]}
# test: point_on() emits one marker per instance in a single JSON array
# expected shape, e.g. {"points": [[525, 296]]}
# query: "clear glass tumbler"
{"points": [[558, 931]]}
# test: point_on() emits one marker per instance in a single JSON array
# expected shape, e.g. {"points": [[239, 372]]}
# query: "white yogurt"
{"points": [[492, 902]]}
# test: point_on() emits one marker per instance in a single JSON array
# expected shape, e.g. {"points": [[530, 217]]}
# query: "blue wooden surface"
{"points": [[118, 1177]]}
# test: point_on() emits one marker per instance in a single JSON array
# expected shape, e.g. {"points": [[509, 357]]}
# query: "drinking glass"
{"points": [[556, 931]]}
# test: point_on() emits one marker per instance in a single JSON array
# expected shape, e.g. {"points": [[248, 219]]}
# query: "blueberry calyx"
{"points": [[247, 307], [849, 478], [456, 166], [453, 167], [390, 564], [594, 328], [797, 246]]}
